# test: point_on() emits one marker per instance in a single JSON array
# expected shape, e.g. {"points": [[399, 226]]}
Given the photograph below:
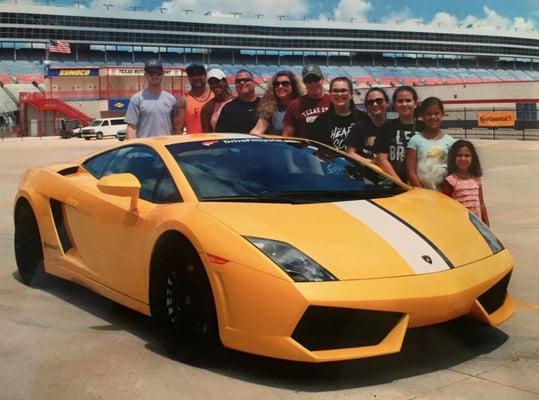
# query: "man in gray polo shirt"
{"points": [[152, 111]]}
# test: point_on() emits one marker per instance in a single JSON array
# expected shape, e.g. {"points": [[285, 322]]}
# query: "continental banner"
{"points": [[494, 119]]}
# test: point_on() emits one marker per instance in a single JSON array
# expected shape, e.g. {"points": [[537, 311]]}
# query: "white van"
{"points": [[99, 128]]}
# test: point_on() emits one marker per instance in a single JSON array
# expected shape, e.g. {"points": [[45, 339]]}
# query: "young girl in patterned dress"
{"points": [[464, 180]]}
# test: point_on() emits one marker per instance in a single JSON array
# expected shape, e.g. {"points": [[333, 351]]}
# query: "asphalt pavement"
{"points": [[61, 341]]}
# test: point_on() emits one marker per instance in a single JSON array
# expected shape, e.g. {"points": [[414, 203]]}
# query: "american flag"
{"points": [[59, 46]]}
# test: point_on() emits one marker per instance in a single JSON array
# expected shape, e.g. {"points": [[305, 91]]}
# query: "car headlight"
{"points": [[491, 239], [297, 265]]}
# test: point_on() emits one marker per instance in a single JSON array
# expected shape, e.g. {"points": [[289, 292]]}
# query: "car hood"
{"points": [[417, 232]]}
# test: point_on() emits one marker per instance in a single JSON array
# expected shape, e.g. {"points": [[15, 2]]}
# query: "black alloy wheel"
{"points": [[183, 304], [28, 248]]}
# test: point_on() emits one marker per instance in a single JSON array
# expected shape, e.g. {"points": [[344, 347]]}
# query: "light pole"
{"points": [[108, 5], [187, 11], [162, 9], [236, 14]]}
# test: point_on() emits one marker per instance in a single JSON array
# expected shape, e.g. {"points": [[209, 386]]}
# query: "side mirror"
{"points": [[125, 185]]}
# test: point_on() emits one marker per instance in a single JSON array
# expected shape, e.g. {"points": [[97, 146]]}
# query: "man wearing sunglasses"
{"points": [[240, 115], [152, 111], [302, 112]]}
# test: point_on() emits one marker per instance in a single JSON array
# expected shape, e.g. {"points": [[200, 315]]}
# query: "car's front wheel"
{"points": [[182, 302], [99, 135], [28, 249]]}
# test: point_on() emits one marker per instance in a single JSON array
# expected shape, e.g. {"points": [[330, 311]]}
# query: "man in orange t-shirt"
{"points": [[191, 105]]}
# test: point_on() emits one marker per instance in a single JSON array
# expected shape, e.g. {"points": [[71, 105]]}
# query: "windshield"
{"points": [[276, 170], [95, 122]]}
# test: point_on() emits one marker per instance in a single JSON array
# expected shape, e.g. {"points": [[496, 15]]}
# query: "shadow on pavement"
{"points": [[425, 350]]}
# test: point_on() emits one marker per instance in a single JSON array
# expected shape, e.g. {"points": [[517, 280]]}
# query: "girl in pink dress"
{"points": [[463, 182]]}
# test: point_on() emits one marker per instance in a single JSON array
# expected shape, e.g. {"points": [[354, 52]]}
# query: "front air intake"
{"points": [[494, 298], [327, 328]]}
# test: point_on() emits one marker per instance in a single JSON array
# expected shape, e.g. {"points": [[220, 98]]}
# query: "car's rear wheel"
{"points": [[87, 138], [99, 135], [28, 248], [182, 302]]}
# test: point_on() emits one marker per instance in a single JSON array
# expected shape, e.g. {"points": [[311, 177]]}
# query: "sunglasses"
{"points": [[340, 91], [284, 84], [154, 73], [243, 80], [372, 102], [311, 79]]}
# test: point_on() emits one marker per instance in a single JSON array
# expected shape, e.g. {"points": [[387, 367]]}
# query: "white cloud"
{"points": [[490, 20], [347, 10], [293, 9], [444, 19]]}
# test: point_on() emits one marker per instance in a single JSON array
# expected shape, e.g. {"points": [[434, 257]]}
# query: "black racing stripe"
{"points": [[434, 247]]}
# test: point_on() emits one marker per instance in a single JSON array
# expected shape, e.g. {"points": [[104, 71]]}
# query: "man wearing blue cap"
{"points": [[152, 111]]}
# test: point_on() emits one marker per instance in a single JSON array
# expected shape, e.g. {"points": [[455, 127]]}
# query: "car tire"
{"points": [[86, 138], [182, 303], [121, 139], [28, 246], [99, 135]]}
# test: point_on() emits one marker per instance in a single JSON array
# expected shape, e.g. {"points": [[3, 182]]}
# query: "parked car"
{"points": [[281, 247], [76, 132], [100, 128], [120, 135]]}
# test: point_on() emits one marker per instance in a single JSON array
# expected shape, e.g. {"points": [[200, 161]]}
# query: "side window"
{"points": [[96, 165], [105, 123], [155, 180], [117, 122]]}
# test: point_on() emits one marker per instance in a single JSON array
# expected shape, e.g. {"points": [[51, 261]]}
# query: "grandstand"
{"points": [[462, 64]]}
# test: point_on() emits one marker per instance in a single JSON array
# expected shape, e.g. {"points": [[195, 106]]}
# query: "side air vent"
{"points": [[493, 298], [58, 216], [69, 171]]}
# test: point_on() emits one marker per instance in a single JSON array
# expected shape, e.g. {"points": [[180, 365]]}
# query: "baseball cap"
{"points": [[152, 65], [312, 70], [216, 73], [195, 69]]}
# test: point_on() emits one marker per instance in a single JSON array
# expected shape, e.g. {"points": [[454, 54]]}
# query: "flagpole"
{"points": [[47, 51]]}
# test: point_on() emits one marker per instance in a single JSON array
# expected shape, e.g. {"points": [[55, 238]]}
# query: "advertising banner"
{"points": [[78, 72], [140, 72], [118, 104], [495, 119]]}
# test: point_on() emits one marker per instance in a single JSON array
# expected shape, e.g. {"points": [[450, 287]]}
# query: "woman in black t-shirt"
{"points": [[333, 126], [391, 143], [360, 142]]}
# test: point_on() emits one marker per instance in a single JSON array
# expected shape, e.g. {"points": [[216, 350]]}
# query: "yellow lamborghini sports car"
{"points": [[274, 246]]}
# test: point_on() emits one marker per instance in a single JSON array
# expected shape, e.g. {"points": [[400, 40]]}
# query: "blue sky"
{"points": [[509, 14]]}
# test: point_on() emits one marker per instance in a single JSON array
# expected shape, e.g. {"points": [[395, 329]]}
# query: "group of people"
{"points": [[413, 150]]}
